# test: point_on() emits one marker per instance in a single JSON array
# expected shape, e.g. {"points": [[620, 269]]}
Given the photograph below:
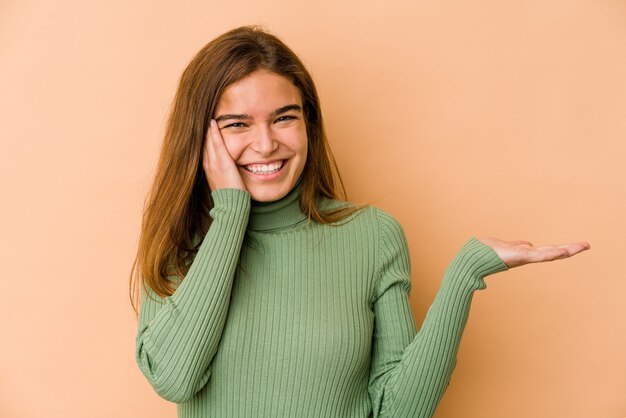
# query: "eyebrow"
{"points": [[276, 112]]}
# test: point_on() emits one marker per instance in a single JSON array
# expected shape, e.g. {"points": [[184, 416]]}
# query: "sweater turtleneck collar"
{"points": [[280, 214]]}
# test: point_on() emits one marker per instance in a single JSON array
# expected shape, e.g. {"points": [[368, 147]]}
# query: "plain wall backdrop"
{"points": [[484, 118]]}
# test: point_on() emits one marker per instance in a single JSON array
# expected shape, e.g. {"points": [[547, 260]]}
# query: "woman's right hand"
{"points": [[219, 167]]}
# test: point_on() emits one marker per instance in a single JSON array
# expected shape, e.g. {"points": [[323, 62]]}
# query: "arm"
{"points": [[410, 372], [178, 335]]}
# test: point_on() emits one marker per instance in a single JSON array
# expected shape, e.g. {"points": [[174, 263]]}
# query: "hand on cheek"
{"points": [[218, 164]]}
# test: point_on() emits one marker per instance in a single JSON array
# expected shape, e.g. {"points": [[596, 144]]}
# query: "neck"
{"points": [[280, 214]]}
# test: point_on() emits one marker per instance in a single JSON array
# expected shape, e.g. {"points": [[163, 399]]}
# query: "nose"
{"points": [[264, 142]]}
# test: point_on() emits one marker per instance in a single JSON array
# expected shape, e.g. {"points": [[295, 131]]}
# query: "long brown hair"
{"points": [[177, 207]]}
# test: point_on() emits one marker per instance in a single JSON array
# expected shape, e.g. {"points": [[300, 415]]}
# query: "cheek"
{"points": [[299, 142], [234, 146]]}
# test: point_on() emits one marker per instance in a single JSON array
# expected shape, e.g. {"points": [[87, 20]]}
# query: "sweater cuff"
{"points": [[477, 261], [230, 201]]}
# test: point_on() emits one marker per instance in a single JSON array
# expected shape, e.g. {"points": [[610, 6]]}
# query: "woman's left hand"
{"points": [[518, 253]]}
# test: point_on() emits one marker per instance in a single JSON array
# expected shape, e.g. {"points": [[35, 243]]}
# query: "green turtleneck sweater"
{"points": [[280, 316]]}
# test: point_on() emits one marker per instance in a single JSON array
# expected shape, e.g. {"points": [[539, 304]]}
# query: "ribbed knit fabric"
{"points": [[279, 316]]}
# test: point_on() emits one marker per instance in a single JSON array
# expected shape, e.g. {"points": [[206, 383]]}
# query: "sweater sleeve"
{"points": [[178, 336], [411, 370]]}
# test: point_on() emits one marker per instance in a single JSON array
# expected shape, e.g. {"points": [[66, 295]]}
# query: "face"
{"points": [[262, 123]]}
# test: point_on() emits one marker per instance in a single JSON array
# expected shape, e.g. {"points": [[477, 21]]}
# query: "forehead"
{"points": [[259, 93]]}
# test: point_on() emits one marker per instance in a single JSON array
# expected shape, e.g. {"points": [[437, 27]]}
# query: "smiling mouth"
{"points": [[265, 168]]}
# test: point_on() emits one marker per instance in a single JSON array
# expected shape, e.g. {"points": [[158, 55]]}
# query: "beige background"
{"points": [[494, 118]]}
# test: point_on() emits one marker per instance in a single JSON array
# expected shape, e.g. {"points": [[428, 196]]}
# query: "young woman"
{"points": [[263, 294]]}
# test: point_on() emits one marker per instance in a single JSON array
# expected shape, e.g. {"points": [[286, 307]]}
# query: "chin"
{"points": [[270, 194]]}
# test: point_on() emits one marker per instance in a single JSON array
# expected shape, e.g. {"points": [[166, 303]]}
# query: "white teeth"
{"points": [[264, 168]]}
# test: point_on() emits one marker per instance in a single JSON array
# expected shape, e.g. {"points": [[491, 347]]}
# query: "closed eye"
{"points": [[284, 118], [235, 125]]}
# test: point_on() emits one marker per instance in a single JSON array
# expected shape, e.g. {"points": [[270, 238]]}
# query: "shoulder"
{"points": [[391, 235], [392, 253], [376, 220], [388, 223]]}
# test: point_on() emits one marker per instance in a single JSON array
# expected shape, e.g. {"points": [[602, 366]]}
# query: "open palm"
{"points": [[518, 253]]}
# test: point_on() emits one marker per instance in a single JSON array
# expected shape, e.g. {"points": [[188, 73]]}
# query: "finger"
{"points": [[218, 141], [207, 146], [211, 140], [210, 160], [212, 164], [573, 248], [556, 252], [212, 152], [547, 254], [215, 146], [577, 247]]}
